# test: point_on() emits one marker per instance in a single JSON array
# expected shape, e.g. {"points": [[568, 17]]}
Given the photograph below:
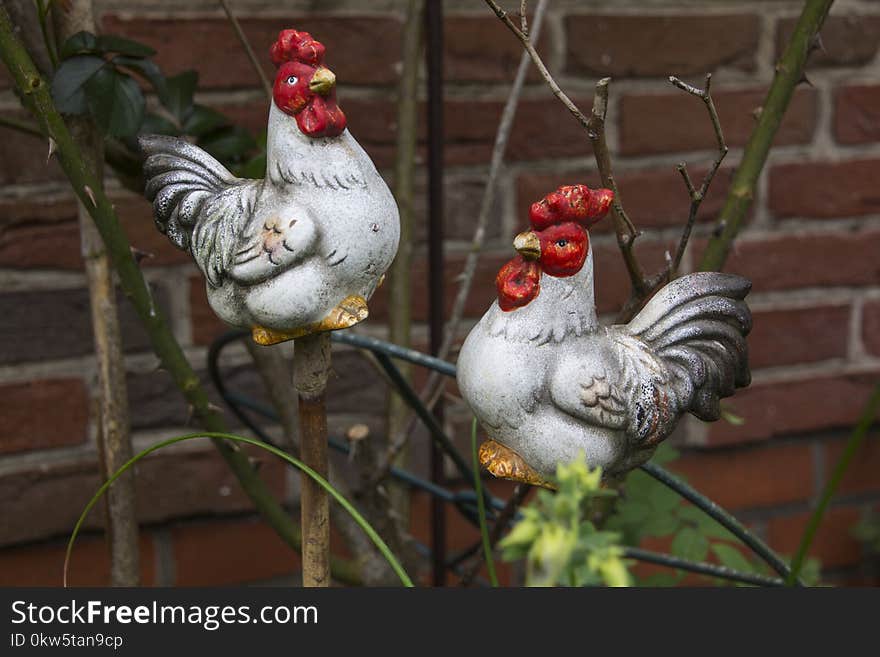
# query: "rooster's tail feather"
{"points": [[697, 325], [197, 202]]}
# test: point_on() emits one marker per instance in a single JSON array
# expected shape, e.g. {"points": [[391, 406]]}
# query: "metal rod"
{"points": [[723, 518], [434, 56], [311, 367], [712, 570], [465, 501], [440, 439]]}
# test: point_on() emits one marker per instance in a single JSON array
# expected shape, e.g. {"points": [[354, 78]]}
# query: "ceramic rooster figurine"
{"points": [[547, 382], [302, 250]]}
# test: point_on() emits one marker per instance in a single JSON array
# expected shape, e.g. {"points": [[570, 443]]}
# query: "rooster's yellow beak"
{"points": [[322, 81], [528, 245]]}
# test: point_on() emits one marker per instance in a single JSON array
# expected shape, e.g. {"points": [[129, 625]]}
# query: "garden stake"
{"points": [[311, 366]]}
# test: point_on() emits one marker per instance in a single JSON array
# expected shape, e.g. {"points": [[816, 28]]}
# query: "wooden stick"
{"points": [[311, 367]]}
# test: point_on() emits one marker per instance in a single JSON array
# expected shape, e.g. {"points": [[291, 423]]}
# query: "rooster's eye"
{"points": [[292, 79], [561, 243]]}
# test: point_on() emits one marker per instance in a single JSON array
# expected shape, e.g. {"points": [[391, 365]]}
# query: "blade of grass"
{"points": [[852, 446], [481, 508], [345, 504]]}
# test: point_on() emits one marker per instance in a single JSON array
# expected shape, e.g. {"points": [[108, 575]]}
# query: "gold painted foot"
{"points": [[349, 312], [504, 463]]}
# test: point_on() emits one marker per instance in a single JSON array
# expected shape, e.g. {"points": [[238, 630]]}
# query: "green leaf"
{"points": [[665, 453], [228, 144], [662, 579], [179, 95], [114, 43], [203, 120], [690, 544], [153, 124], [116, 102], [707, 525], [660, 524], [147, 69], [70, 80], [254, 167], [732, 558], [79, 43]]}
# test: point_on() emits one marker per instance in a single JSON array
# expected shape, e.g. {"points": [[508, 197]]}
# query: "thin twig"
{"points": [[789, 73], [400, 275], [624, 229], [697, 196], [523, 19], [433, 389], [114, 435], [267, 87]]}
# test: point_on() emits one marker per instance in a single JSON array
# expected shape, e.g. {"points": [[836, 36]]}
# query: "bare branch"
{"points": [[697, 195], [267, 87], [623, 227], [595, 127], [523, 20]]}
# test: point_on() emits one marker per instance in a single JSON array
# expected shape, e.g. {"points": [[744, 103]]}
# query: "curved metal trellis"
{"points": [[465, 501]]}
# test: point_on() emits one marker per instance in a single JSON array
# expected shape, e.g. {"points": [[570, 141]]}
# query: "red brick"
{"points": [[52, 225], [24, 158], [543, 128], [863, 473], [653, 198], [43, 564], [800, 259], [825, 190], [833, 544], [857, 114], [632, 45], [205, 324], [793, 408], [478, 48], [871, 327], [847, 40], [210, 46], [686, 125], [752, 477], [45, 324], [798, 335], [230, 552], [180, 484], [43, 414]]}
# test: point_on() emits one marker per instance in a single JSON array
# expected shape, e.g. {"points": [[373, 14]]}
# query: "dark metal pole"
{"points": [[434, 55]]}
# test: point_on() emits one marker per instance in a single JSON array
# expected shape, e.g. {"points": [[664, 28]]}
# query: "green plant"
{"points": [[326, 485], [648, 509], [559, 541], [98, 76]]}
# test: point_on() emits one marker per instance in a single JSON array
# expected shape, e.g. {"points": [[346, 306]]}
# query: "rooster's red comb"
{"points": [[576, 203], [297, 46]]}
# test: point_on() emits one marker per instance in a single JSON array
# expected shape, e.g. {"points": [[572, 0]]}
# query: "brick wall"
{"points": [[811, 246]]}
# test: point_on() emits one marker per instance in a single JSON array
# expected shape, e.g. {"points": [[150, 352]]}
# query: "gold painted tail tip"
{"points": [[267, 337], [504, 463], [350, 311]]}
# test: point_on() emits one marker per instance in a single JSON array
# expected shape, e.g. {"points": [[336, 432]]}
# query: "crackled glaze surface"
{"points": [[548, 382]]}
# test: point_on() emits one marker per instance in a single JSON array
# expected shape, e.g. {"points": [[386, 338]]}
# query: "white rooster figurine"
{"points": [[548, 383], [303, 250]]}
